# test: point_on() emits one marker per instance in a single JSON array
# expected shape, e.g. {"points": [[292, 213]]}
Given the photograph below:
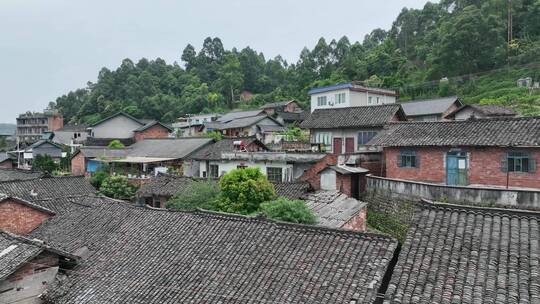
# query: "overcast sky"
{"points": [[49, 47]]}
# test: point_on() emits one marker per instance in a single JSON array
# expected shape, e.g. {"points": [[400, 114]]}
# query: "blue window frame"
{"points": [[517, 161]]}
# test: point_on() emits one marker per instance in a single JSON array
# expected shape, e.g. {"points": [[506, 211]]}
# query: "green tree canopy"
{"points": [[117, 187], [116, 144], [199, 194], [45, 163], [243, 190], [294, 211]]}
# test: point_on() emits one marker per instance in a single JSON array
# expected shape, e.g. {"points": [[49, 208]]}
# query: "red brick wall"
{"points": [[55, 122], [357, 222], [343, 184], [6, 164], [40, 263], [156, 131], [484, 167], [312, 174], [20, 219], [78, 165]]}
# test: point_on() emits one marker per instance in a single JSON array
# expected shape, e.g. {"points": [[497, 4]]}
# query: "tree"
{"points": [[214, 134], [199, 194], [117, 187], [116, 144], [243, 190], [295, 211], [45, 163], [230, 76], [97, 178]]}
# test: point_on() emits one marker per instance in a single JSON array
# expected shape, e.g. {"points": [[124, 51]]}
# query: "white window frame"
{"points": [[322, 101], [340, 98]]}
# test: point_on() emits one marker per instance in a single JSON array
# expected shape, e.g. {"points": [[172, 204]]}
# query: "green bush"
{"points": [[199, 194], [116, 144], [243, 190], [214, 134], [117, 187], [289, 211], [44, 163], [97, 178]]}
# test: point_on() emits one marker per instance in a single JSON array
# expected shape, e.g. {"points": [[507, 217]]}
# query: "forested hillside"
{"points": [[452, 47]]}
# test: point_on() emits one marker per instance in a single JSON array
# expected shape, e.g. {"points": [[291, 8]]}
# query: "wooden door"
{"points": [[349, 145], [337, 145], [456, 169]]}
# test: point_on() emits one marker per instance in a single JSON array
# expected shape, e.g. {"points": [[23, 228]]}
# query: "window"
{"points": [[370, 100], [214, 171], [274, 175], [321, 101], [518, 162], [378, 100], [323, 138], [340, 98], [241, 167], [407, 159], [365, 136]]}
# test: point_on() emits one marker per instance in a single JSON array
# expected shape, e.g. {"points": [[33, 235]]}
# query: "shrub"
{"points": [[199, 194], [289, 211], [44, 163], [97, 178], [214, 134], [116, 144], [387, 223], [243, 190], [117, 187]]}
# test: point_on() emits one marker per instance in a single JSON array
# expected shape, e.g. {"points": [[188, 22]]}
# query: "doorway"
{"points": [[457, 168], [338, 142]]}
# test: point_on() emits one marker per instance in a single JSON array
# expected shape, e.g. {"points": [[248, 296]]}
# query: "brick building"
{"points": [[497, 151], [28, 267], [21, 217], [153, 129]]}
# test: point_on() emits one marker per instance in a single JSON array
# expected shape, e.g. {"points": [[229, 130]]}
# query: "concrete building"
{"points": [[349, 95], [348, 130], [31, 126]]}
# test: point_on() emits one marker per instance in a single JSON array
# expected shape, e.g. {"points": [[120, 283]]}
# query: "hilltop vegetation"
{"points": [[452, 47]]}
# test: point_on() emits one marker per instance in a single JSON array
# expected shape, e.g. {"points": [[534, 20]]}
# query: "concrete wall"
{"points": [[227, 166], [117, 127], [402, 189], [341, 133], [352, 99]]}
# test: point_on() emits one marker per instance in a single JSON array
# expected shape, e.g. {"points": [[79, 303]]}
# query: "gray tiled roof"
{"points": [[151, 256], [239, 114], [275, 104], [151, 124], [168, 147], [353, 117], [239, 123], [333, 208], [103, 152], [47, 187], [487, 110], [213, 151], [457, 254], [524, 131], [16, 253], [18, 174], [167, 185], [429, 106], [293, 190]]}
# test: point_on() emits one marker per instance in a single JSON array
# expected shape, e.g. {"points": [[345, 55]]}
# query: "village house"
{"points": [[430, 109], [481, 111], [501, 152], [467, 254], [248, 123], [192, 125], [348, 130], [71, 135], [28, 267], [7, 160], [289, 106], [348, 95], [43, 147], [31, 126], [231, 153], [332, 208], [125, 128], [141, 160], [11, 174], [93, 227]]}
